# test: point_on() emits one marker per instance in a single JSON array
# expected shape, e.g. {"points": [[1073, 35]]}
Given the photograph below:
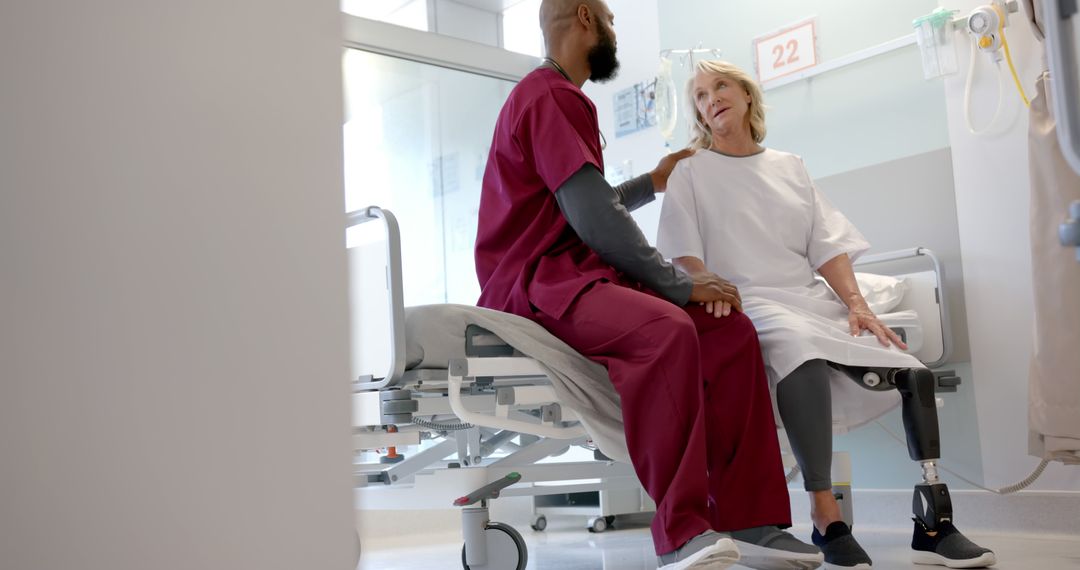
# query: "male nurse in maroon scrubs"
{"points": [[556, 244]]}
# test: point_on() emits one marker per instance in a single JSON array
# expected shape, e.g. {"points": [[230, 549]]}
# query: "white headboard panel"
{"points": [[922, 297]]}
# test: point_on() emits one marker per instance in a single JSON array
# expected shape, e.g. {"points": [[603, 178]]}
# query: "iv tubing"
{"points": [[967, 96]]}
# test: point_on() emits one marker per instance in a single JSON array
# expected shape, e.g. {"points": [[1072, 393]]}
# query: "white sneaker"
{"points": [[770, 548], [709, 550]]}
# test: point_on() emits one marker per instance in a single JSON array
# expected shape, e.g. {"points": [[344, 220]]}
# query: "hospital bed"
{"points": [[478, 404]]}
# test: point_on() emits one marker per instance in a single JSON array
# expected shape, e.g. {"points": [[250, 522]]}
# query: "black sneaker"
{"points": [[841, 550], [948, 548]]}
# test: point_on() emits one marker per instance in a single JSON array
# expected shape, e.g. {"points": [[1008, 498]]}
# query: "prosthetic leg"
{"points": [[935, 540], [930, 504]]}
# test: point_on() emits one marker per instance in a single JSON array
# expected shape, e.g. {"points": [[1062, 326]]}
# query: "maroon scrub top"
{"points": [[527, 255]]}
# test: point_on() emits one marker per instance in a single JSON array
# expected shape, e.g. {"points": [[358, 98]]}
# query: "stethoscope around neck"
{"points": [[557, 67]]}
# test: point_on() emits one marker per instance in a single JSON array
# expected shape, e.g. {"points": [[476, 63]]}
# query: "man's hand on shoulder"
{"points": [[663, 170]]}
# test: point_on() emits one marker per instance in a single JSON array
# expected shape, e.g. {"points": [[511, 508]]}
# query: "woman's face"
{"points": [[722, 103]]}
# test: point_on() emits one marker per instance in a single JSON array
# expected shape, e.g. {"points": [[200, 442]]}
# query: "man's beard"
{"points": [[603, 64]]}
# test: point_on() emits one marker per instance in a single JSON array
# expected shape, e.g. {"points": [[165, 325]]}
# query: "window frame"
{"points": [[435, 49]]}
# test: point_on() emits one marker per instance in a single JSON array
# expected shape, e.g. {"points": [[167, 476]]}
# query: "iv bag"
{"points": [[667, 102]]}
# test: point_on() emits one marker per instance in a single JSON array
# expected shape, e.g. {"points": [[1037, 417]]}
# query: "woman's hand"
{"points": [[841, 277], [718, 309], [861, 318], [718, 295]]}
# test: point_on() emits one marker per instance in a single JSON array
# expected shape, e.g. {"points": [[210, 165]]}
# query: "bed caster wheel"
{"points": [[505, 549], [539, 523], [600, 524]]}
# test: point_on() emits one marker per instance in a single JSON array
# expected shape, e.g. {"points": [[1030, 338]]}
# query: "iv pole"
{"points": [[690, 53]]}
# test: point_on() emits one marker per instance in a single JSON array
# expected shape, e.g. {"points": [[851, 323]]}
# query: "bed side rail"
{"points": [[943, 303], [397, 297]]}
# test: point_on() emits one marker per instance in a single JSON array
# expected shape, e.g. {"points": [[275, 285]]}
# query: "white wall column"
{"points": [[173, 347]]}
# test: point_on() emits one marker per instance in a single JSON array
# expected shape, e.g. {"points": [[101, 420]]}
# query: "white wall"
{"points": [[870, 112], [639, 45], [466, 22], [992, 197], [409, 13], [173, 348]]}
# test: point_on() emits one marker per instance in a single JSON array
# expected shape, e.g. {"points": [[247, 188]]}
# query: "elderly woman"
{"points": [[752, 215]]}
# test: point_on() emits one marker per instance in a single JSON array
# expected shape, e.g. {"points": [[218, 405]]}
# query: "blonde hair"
{"points": [[700, 133]]}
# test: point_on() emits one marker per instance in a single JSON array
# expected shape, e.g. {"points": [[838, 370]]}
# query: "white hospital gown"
{"points": [[759, 222]]}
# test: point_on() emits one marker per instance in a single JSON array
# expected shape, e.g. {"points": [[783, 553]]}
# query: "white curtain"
{"points": [[1054, 388]]}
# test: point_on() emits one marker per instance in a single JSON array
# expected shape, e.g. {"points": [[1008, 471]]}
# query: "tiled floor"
{"points": [[565, 545]]}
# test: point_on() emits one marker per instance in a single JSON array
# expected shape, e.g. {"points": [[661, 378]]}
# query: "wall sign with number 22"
{"points": [[786, 51]]}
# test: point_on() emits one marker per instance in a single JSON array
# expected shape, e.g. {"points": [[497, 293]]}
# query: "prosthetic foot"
{"points": [[948, 547], [935, 539]]}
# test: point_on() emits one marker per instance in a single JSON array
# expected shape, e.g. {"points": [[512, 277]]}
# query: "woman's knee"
{"points": [[809, 383], [739, 328], [742, 323]]}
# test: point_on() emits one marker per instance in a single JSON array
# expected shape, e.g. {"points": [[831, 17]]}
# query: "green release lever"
{"points": [[489, 491]]}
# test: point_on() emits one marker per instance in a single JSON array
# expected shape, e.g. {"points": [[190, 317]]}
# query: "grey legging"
{"points": [[804, 399]]}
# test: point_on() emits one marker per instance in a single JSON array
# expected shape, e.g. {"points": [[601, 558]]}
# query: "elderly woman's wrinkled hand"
{"points": [[861, 318]]}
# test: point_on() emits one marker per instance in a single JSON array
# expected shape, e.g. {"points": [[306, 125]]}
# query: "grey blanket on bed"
{"points": [[436, 333]]}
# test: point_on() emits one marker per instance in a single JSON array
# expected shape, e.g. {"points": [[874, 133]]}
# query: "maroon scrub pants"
{"points": [[696, 408]]}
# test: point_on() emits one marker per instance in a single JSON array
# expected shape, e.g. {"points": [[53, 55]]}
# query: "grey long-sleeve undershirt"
{"points": [[600, 215]]}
